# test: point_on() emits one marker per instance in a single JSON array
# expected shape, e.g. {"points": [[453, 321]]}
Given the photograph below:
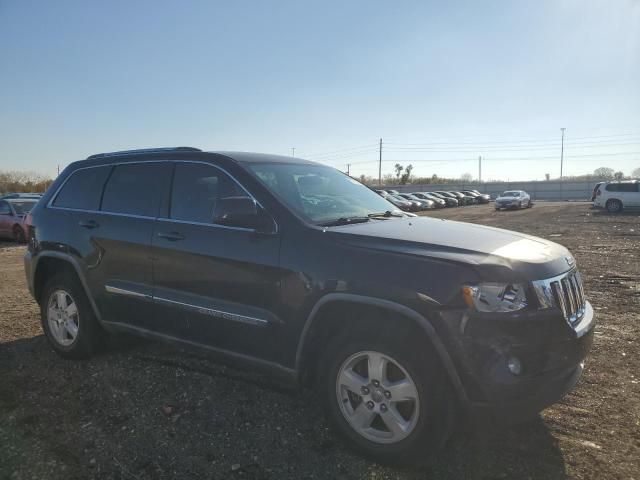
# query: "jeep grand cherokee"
{"points": [[275, 262]]}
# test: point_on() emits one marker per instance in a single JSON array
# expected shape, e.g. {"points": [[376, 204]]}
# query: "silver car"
{"points": [[513, 199]]}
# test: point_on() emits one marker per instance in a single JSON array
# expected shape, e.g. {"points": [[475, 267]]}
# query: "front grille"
{"points": [[565, 292]]}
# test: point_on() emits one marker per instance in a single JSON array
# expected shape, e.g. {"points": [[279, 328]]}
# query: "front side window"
{"points": [[317, 193], [4, 208], [196, 191], [83, 189], [136, 189]]}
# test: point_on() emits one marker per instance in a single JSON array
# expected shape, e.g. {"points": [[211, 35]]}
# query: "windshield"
{"points": [[319, 194], [511, 194], [23, 206]]}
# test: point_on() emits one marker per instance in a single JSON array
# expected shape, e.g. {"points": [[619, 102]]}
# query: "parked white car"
{"points": [[616, 196], [513, 199]]}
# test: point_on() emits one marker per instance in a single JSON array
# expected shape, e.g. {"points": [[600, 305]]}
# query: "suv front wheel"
{"points": [[614, 206], [67, 318], [387, 398]]}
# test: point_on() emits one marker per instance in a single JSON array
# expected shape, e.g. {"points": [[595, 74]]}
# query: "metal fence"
{"points": [[544, 190]]}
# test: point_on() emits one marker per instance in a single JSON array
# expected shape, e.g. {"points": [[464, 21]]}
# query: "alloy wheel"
{"points": [[377, 397], [63, 318]]}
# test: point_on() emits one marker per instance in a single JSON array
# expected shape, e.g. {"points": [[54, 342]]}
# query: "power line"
{"points": [[507, 159], [324, 154], [532, 141], [510, 148]]}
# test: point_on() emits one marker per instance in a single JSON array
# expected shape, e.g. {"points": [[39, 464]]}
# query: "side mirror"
{"points": [[242, 212]]}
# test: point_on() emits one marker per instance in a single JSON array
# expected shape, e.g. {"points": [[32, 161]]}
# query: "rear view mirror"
{"points": [[242, 212]]}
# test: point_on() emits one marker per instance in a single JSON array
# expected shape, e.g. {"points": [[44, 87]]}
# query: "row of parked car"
{"points": [[417, 201]]}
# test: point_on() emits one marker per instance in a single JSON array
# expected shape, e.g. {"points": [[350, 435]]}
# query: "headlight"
{"points": [[495, 297]]}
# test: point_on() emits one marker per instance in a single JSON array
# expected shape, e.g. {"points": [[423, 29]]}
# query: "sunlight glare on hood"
{"points": [[525, 250]]}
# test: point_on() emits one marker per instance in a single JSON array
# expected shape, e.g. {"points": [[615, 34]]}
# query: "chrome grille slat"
{"points": [[566, 286], [565, 292]]}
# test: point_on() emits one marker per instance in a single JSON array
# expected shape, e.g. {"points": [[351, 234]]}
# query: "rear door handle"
{"points": [[90, 224], [171, 236]]}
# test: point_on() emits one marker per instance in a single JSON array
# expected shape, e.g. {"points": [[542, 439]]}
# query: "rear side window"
{"points": [[83, 189], [197, 188], [622, 187], [136, 189]]}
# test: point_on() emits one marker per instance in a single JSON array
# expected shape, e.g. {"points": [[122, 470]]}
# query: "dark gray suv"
{"points": [[401, 323]]}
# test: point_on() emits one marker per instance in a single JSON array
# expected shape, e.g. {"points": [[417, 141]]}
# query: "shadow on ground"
{"points": [[146, 410]]}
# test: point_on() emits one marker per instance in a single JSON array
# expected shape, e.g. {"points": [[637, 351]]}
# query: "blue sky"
{"points": [[440, 82]]}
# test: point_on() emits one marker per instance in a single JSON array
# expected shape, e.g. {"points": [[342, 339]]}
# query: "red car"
{"points": [[12, 217]]}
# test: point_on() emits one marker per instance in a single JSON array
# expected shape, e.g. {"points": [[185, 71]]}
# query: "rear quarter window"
{"points": [[83, 189]]}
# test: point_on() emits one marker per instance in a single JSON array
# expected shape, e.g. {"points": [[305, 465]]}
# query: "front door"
{"points": [[213, 284]]}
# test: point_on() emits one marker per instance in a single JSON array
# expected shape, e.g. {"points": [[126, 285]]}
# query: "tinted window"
{"points": [[83, 189], [196, 189], [622, 187], [4, 208], [136, 189]]}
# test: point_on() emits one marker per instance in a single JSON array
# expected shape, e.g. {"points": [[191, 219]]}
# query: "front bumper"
{"points": [[506, 205], [551, 354]]}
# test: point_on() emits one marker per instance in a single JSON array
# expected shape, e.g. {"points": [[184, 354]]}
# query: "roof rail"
{"points": [[143, 151]]}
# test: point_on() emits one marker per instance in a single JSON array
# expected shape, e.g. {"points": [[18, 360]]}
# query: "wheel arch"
{"points": [[614, 199], [50, 263], [311, 328]]}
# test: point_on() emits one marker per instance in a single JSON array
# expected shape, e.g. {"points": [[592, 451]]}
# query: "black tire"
{"points": [[614, 206], [435, 421], [89, 333], [18, 234], [530, 204]]}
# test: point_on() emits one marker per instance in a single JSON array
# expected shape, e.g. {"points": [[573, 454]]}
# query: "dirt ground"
{"points": [[146, 411]]}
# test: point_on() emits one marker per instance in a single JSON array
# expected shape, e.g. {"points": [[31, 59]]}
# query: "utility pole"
{"points": [[293, 152], [348, 165], [562, 153], [380, 165], [480, 169]]}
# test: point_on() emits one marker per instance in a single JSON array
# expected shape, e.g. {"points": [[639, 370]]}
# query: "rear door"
{"points": [[213, 284], [122, 241], [108, 213]]}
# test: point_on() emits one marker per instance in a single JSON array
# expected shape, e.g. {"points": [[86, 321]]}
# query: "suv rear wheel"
{"points": [[67, 317], [391, 406], [614, 206]]}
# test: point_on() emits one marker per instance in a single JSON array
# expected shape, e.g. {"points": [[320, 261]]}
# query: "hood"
{"points": [[495, 253]]}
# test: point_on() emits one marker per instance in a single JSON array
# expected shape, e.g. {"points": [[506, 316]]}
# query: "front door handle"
{"points": [[90, 224], [171, 236]]}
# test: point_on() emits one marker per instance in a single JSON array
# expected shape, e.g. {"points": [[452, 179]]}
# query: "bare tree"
{"points": [[618, 175], [398, 168], [407, 175], [605, 173], [466, 177], [636, 172], [547, 176]]}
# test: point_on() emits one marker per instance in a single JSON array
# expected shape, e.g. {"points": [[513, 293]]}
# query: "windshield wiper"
{"points": [[344, 221], [386, 214]]}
